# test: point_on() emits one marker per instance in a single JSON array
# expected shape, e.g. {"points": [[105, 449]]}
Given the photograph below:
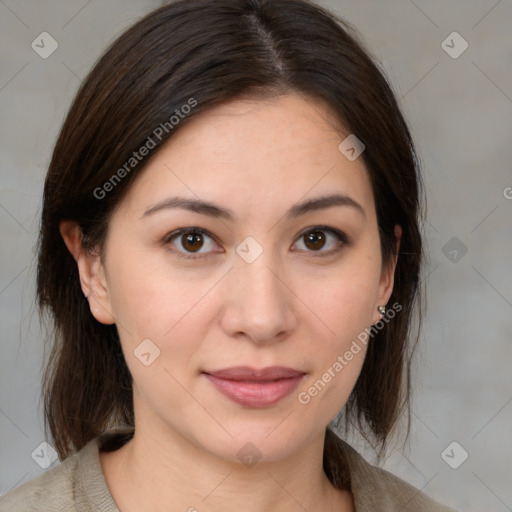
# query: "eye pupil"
{"points": [[195, 240], [315, 237]]}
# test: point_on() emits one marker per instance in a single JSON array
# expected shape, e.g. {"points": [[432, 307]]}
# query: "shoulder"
{"points": [[51, 491], [76, 485], [374, 488]]}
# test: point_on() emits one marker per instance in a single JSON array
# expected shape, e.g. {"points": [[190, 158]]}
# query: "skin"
{"points": [[291, 307]]}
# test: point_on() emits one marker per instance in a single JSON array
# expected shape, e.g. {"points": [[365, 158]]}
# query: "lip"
{"points": [[255, 388]]}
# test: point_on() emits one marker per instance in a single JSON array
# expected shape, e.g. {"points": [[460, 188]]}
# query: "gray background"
{"points": [[460, 114]]}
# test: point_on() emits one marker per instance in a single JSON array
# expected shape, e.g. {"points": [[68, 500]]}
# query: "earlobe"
{"points": [[91, 272]]}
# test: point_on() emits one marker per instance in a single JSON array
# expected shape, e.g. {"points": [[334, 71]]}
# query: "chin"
{"points": [[251, 442]]}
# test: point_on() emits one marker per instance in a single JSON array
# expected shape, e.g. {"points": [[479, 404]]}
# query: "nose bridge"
{"points": [[260, 304]]}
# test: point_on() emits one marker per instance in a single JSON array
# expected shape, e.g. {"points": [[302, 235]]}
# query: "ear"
{"points": [[91, 270], [387, 278]]}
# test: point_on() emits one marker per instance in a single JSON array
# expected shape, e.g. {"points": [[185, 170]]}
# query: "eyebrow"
{"points": [[218, 212]]}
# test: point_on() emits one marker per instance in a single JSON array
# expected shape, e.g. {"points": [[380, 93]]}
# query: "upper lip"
{"points": [[253, 374]]}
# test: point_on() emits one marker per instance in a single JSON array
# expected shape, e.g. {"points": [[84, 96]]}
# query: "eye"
{"points": [[315, 240], [191, 240]]}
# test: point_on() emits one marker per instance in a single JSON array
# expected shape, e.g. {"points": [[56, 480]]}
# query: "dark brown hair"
{"points": [[215, 51]]}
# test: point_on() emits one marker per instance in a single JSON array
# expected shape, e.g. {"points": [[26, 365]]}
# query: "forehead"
{"points": [[254, 155]]}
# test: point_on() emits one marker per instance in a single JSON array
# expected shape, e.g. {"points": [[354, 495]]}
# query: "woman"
{"points": [[230, 251]]}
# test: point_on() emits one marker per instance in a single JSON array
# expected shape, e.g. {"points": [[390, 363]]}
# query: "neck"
{"points": [[157, 469]]}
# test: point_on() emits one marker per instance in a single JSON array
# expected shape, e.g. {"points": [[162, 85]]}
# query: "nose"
{"points": [[259, 303]]}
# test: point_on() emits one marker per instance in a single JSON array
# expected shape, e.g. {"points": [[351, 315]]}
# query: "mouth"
{"points": [[255, 388]]}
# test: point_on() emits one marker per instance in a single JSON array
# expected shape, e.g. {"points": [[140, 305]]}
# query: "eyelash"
{"points": [[343, 240]]}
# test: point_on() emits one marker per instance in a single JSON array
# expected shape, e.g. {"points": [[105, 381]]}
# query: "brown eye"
{"points": [[197, 243], [320, 237], [189, 242], [192, 242], [315, 240]]}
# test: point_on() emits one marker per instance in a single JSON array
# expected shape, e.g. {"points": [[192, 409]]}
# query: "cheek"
{"points": [[154, 300], [344, 300], [149, 296], [340, 346], [159, 322]]}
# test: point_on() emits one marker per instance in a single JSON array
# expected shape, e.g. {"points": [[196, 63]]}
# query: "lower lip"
{"points": [[255, 394]]}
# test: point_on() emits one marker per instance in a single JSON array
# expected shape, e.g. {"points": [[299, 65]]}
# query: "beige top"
{"points": [[78, 484]]}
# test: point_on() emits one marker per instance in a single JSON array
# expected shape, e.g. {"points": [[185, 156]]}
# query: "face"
{"points": [[255, 281]]}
